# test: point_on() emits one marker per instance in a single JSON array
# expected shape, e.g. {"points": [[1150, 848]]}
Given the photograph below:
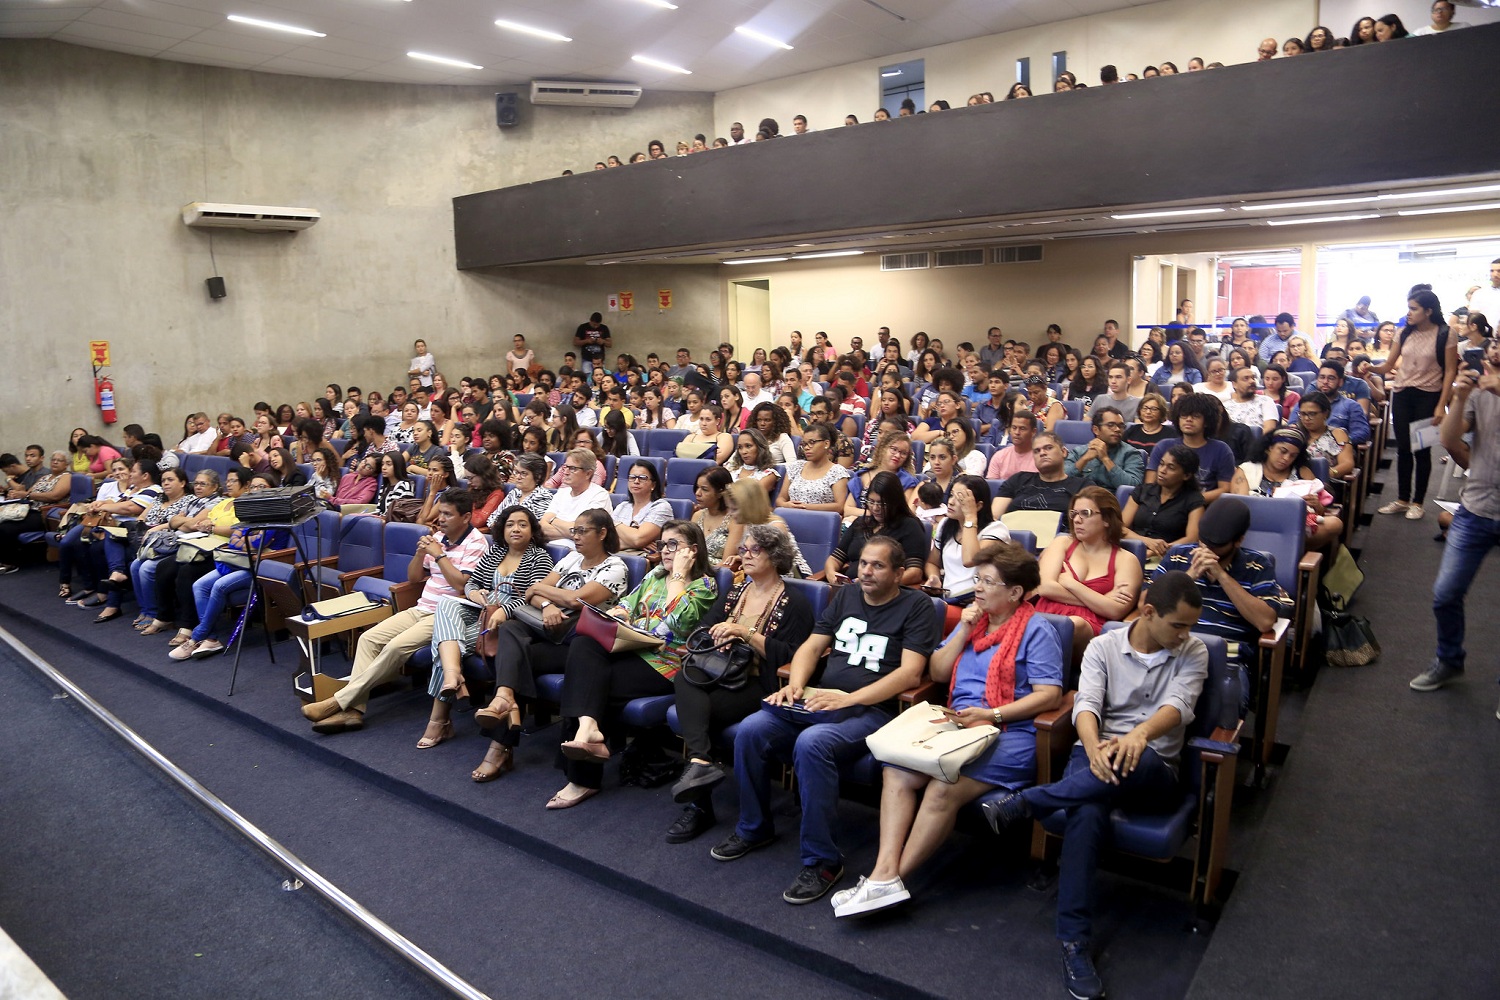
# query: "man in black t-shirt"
{"points": [[878, 636], [1048, 488], [592, 340]]}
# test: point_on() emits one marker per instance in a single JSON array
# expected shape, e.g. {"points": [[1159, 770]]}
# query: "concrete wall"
{"points": [[1224, 31], [99, 151]]}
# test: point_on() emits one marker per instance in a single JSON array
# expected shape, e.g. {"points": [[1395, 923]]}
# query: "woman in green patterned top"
{"points": [[668, 604]]}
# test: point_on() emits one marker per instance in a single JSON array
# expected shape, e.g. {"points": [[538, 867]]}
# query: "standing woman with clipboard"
{"points": [[1429, 357]]}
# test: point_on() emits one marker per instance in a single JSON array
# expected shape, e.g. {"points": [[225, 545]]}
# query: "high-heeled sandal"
{"points": [[445, 733], [498, 759], [491, 718], [154, 626], [449, 694]]}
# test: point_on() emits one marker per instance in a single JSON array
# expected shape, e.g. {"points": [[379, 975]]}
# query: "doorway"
{"points": [[902, 81], [750, 316]]}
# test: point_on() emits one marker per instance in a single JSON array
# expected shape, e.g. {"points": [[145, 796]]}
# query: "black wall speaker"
{"points": [[215, 287], [506, 113]]}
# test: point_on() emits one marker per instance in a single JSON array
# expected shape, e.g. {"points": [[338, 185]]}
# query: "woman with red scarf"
{"points": [[1004, 665]]}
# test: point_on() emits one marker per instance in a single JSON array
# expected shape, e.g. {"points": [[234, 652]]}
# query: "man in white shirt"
{"points": [[1442, 19], [578, 494], [203, 438], [1487, 300], [585, 414], [1246, 406], [737, 134], [799, 125], [754, 393]]}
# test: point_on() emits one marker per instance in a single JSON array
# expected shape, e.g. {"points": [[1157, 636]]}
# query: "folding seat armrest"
{"points": [[1310, 562], [279, 555], [355, 574], [1277, 634], [1218, 746], [325, 561], [403, 595], [1059, 717], [925, 690], [1055, 736]]}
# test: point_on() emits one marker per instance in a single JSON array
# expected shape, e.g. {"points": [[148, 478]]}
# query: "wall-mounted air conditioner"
{"points": [[256, 218], [585, 94]]}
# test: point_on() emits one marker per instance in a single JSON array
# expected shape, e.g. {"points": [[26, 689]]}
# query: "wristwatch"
{"points": [[969, 524], [999, 719]]}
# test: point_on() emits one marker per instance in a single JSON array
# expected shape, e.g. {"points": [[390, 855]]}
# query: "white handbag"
{"points": [[924, 740]]}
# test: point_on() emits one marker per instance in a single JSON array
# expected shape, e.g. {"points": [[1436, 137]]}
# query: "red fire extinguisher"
{"points": [[104, 396]]}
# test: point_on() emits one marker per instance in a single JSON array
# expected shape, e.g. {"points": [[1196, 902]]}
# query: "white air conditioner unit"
{"points": [[256, 218], [585, 94]]}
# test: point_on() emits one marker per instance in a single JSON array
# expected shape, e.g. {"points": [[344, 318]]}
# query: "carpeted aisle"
{"points": [[1375, 868]]}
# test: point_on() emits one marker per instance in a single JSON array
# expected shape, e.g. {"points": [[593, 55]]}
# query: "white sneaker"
{"points": [[867, 897], [1414, 512], [1393, 507]]}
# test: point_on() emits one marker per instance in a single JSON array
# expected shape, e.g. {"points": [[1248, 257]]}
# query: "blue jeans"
{"points": [[116, 560], [1470, 539], [70, 552], [143, 580], [816, 753], [1151, 787], [211, 593]]}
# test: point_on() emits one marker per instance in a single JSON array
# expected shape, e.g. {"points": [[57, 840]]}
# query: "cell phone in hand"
{"points": [[1474, 359]]}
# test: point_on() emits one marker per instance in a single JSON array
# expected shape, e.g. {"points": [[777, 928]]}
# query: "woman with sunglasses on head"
{"points": [[668, 604], [592, 573], [773, 620]]}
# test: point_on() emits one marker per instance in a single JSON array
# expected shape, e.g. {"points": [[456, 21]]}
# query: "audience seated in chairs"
{"points": [[773, 620], [442, 564], [1107, 460], [886, 515], [748, 504], [53, 488], [1196, 417], [667, 604], [1048, 488], [878, 636], [818, 482], [1003, 665], [496, 587], [1166, 512], [1136, 694]]}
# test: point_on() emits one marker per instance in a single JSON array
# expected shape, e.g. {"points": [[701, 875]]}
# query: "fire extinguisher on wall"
{"points": [[104, 396]]}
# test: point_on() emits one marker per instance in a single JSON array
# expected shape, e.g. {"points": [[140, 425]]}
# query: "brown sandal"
{"points": [[444, 734], [498, 760], [491, 718]]}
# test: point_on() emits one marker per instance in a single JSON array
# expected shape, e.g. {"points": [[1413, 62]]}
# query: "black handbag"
{"points": [[724, 665], [1348, 640]]}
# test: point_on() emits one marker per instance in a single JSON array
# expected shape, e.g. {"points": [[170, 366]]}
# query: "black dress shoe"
{"points": [[693, 821]]}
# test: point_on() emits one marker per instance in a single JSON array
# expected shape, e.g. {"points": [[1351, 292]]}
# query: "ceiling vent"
{"points": [[256, 218], [1026, 253], [905, 261], [960, 258], [583, 94]]}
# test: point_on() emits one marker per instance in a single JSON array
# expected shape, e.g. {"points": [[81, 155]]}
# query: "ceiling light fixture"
{"points": [[1445, 209], [828, 253], [443, 60], [648, 61], [1405, 195], [663, 4], [1171, 213], [752, 33], [889, 75], [1323, 218], [758, 260], [275, 26], [527, 29], [1284, 206]]}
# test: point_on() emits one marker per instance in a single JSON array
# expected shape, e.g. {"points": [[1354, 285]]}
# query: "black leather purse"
{"points": [[724, 665]]}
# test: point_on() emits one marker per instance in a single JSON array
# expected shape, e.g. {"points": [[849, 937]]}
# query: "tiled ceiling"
{"points": [[369, 39]]}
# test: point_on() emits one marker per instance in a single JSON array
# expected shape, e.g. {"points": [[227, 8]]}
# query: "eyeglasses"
{"points": [[637, 479], [672, 546], [871, 503], [1081, 515], [572, 468], [1112, 424], [750, 550], [579, 532]]}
